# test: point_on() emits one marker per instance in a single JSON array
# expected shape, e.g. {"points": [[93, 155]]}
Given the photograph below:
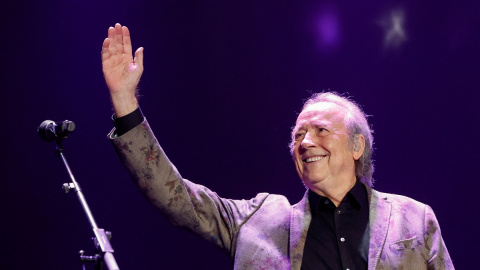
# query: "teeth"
{"points": [[312, 159]]}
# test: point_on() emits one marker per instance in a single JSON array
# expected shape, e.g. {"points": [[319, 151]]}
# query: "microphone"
{"points": [[51, 131]]}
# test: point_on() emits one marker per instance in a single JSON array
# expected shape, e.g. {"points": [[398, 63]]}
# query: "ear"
{"points": [[358, 146]]}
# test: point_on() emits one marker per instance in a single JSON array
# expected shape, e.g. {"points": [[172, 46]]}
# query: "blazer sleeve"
{"points": [[438, 257], [184, 203]]}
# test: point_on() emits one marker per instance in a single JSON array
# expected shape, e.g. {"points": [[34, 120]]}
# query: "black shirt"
{"points": [[338, 237]]}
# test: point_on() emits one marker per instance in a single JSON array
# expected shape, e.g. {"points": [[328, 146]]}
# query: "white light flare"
{"points": [[393, 25]]}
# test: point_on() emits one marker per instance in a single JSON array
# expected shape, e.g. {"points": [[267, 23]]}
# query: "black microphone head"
{"points": [[46, 130], [64, 129]]}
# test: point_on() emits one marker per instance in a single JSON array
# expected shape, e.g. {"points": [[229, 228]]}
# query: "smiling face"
{"points": [[322, 153]]}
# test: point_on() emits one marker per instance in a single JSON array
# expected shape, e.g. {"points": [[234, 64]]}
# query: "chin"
{"points": [[311, 182]]}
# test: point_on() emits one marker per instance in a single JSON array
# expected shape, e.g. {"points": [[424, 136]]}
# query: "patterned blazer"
{"points": [[266, 232]]}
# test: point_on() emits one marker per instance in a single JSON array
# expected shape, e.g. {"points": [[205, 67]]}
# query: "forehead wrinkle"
{"points": [[320, 113], [324, 117], [328, 107]]}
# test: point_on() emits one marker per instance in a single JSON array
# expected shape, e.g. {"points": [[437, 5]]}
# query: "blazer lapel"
{"points": [[299, 223], [380, 211]]}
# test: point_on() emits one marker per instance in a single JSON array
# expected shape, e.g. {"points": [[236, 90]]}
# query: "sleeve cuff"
{"points": [[125, 123]]}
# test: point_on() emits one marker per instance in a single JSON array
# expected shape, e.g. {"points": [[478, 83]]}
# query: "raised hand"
{"points": [[122, 72]]}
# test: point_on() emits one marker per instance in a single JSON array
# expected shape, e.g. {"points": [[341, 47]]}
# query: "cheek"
{"points": [[344, 159], [295, 152], [340, 152], [298, 162]]}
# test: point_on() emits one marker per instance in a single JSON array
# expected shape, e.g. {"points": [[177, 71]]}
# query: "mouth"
{"points": [[313, 159]]}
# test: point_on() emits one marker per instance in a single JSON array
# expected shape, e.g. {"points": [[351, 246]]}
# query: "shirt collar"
{"points": [[356, 196]]}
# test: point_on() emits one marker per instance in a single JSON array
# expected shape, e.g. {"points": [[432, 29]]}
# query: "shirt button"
{"points": [[347, 269], [339, 212], [342, 239], [326, 202]]}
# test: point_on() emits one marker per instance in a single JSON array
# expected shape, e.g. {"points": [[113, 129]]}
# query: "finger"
{"points": [[111, 38], [139, 57], [127, 43], [118, 39], [105, 50]]}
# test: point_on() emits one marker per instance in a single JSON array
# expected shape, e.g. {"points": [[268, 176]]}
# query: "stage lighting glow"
{"points": [[328, 29]]}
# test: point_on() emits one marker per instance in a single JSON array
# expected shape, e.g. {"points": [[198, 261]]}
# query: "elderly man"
{"points": [[341, 222]]}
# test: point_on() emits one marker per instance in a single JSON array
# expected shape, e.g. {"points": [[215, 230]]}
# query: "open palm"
{"points": [[122, 72]]}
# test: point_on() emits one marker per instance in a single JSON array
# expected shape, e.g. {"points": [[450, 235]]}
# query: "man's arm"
{"points": [[122, 72], [184, 203]]}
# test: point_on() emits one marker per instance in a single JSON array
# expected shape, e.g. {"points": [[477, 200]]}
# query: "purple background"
{"points": [[222, 86]]}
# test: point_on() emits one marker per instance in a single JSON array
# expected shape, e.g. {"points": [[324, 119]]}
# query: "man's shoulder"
{"points": [[275, 199], [263, 200], [398, 201], [275, 203]]}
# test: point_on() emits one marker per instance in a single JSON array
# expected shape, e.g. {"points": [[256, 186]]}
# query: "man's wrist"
{"points": [[124, 104]]}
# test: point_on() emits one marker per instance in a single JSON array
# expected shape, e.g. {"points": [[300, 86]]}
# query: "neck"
{"points": [[335, 191]]}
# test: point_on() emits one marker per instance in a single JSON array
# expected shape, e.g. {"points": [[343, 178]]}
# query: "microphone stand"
{"points": [[102, 237]]}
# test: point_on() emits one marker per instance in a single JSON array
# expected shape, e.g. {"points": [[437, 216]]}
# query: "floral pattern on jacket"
{"points": [[266, 232]]}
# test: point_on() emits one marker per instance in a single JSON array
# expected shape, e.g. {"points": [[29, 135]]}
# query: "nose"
{"points": [[307, 141]]}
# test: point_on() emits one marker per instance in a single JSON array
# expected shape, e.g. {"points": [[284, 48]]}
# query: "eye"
{"points": [[322, 131], [298, 135]]}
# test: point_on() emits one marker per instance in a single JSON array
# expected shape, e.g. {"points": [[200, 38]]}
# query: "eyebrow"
{"points": [[294, 131]]}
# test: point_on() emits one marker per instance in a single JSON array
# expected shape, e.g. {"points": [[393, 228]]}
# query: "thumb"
{"points": [[139, 57]]}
